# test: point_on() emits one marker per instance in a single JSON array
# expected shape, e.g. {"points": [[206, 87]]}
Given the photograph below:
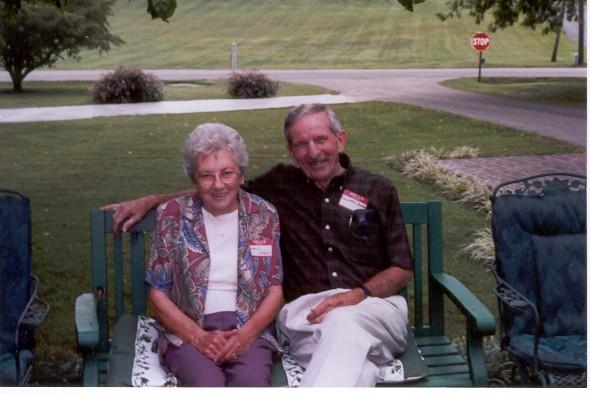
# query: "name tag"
{"points": [[353, 201], [260, 248]]}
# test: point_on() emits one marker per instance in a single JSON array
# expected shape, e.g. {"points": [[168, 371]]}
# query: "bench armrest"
{"points": [[482, 322], [86, 322]]}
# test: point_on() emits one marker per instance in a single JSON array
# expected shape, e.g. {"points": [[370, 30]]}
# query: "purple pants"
{"points": [[251, 369]]}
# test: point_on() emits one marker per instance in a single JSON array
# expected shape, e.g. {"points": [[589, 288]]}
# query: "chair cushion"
{"points": [[133, 359], [410, 367], [560, 262], [15, 270], [562, 352], [8, 367], [523, 227]]}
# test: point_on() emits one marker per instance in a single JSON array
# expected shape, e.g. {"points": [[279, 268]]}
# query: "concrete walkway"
{"points": [[417, 87], [43, 114]]}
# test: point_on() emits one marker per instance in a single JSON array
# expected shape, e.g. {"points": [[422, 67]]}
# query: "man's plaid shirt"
{"points": [[324, 245]]}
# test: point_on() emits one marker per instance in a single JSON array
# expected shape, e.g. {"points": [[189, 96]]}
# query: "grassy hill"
{"points": [[312, 34]]}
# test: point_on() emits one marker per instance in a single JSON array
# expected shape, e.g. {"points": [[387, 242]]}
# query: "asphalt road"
{"points": [[412, 86]]}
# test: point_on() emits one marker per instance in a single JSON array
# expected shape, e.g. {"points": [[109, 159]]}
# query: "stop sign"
{"points": [[480, 41]]}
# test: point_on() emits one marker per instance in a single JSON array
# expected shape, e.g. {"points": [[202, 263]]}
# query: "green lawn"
{"points": [[67, 168], [565, 91], [304, 34], [41, 94]]}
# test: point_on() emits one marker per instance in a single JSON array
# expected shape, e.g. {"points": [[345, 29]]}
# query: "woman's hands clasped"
{"points": [[222, 346]]}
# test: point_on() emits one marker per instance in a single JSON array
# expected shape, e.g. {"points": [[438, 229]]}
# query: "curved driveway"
{"points": [[421, 88], [413, 86]]}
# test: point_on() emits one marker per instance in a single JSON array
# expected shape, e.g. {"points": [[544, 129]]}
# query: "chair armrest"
{"points": [[36, 310], [512, 298], [86, 322], [481, 319]]}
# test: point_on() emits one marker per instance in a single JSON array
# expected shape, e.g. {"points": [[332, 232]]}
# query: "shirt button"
{"points": [[330, 249], [335, 274], [327, 200], [327, 227]]}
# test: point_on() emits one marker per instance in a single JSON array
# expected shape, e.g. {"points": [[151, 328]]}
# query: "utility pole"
{"points": [[234, 57]]}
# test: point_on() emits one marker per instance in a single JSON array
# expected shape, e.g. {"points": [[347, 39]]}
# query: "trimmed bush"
{"points": [[127, 85], [251, 84]]}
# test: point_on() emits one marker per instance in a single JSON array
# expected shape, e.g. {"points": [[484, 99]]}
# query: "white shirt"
{"points": [[222, 238]]}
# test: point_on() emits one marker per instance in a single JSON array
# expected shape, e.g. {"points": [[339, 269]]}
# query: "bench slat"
{"points": [[432, 341], [442, 350], [119, 288], [138, 286], [459, 380], [448, 370], [417, 249], [445, 360]]}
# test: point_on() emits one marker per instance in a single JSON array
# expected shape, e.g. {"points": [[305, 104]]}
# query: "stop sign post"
{"points": [[480, 41]]}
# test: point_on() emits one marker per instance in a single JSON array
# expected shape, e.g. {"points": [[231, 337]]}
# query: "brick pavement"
{"points": [[495, 170]]}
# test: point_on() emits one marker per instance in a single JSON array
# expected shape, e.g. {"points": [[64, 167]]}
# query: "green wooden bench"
{"points": [[118, 270]]}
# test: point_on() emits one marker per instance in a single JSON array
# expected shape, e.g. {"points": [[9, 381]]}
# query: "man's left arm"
{"points": [[384, 284]]}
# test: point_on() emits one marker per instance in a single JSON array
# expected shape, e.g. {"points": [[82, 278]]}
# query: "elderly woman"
{"points": [[215, 269]]}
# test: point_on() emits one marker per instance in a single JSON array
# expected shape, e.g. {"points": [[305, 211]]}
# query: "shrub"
{"points": [[422, 166], [127, 85], [251, 84]]}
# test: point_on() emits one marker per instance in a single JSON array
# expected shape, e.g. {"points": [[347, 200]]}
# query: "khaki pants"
{"points": [[349, 345]]}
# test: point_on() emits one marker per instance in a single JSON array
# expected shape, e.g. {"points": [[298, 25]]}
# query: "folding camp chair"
{"points": [[539, 231], [20, 309]]}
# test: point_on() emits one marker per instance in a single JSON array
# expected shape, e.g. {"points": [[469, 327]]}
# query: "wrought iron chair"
{"points": [[20, 308], [539, 231]]}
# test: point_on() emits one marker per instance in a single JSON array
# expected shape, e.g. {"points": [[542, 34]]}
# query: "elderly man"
{"points": [[345, 254]]}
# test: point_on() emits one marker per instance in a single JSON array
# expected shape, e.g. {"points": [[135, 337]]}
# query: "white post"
{"points": [[234, 57]]}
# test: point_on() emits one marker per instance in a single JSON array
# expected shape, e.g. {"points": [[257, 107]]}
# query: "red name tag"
{"points": [[353, 201], [260, 247]]}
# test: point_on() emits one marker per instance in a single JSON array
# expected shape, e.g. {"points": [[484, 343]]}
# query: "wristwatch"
{"points": [[366, 291]]}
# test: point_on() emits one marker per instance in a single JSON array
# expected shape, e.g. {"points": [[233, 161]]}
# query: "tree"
{"points": [[36, 34], [505, 13], [558, 33], [581, 32]]}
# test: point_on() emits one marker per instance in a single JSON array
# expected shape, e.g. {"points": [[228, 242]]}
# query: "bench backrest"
{"points": [[118, 267]]}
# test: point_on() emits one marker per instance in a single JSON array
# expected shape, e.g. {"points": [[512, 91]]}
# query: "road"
{"points": [[412, 86]]}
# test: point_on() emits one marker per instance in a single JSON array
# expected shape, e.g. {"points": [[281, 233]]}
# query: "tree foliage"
{"points": [[36, 34], [505, 13], [164, 9]]}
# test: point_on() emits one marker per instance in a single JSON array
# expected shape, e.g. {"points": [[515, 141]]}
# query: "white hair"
{"points": [[208, 138]]}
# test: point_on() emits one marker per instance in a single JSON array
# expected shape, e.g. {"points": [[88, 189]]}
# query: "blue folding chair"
{"points": [[539, 231], [20, 308]]}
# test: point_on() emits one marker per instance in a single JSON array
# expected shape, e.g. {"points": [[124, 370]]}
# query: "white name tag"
{"points": [[353, 201], [261, 248]]}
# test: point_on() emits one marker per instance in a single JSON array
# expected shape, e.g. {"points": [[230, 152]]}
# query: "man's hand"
{"points": [[351, 297], [128, 213]]}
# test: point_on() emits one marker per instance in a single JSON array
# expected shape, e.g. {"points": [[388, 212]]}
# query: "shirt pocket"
{"points": [[365, 231]]}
